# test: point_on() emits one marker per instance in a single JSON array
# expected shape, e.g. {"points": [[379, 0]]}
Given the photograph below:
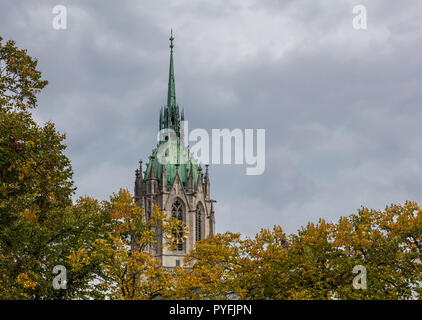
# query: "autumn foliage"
{"points": [[104, 245], [315, 263]]}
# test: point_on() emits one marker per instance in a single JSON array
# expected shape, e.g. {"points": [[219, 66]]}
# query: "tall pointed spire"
{"points": [[139, 181], [190, 180], [152, 175], [170, 114], [171, 96], [207, 183]]}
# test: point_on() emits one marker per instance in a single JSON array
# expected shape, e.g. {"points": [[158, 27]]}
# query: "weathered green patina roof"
{"points": [[186, 162], [170, 118]]}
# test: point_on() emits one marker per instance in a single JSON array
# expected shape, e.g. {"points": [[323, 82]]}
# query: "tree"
{"points": [[20, 81], [316, 263], [35, 177], [105, 246], [127, 270], [387, 243], [101, 245]]}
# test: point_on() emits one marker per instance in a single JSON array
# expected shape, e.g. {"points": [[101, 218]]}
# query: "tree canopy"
{"points": [[315, 263], [103, 245]]}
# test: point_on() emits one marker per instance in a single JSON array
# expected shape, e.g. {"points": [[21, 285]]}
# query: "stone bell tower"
{"points": [[179, 187]]}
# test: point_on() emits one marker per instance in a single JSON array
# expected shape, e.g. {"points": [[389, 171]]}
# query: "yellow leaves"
{"points": [[29, 215], [318, 263], [25, 281], [131, 271], [78, 259], [176, 231]]}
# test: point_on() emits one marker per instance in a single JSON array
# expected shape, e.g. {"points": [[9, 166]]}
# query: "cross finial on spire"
{"points": [[171, 96], [171, 40]]}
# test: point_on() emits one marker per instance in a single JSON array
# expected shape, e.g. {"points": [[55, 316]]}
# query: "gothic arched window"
{"points": [[177, 212], [198, 220]]}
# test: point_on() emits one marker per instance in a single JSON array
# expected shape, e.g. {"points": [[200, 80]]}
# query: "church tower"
{"points": [[178, 187]]}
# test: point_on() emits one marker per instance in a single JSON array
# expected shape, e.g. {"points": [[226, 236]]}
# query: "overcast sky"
{"points": [[341, 107]]}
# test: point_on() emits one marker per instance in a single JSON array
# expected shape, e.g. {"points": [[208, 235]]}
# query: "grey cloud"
{"points": [[341, 107]]}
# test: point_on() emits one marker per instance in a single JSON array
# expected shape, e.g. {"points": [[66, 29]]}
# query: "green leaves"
{"points": [[104, 245], [315, 263], [20, 81], [35, 183]]}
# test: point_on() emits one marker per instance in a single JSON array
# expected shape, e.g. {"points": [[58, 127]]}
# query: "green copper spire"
{"points": [[171, 96], [185, 166], [170, 115]]}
